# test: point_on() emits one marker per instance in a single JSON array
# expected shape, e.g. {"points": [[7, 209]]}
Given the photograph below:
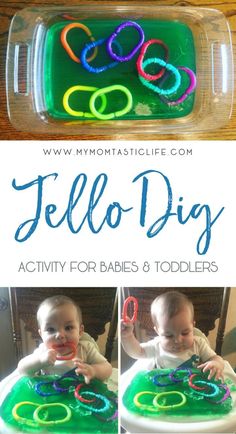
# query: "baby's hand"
{"points": [[215, 368], [48, 358], [84, 369], [127, 329]]}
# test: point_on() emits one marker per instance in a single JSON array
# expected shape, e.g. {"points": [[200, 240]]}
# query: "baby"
{"points": [[173, 319], [64, 345]]}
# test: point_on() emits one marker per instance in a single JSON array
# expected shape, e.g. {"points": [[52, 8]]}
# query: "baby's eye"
{"points": [[185, 333], [168, 336], [50, 330], [69, 327]]}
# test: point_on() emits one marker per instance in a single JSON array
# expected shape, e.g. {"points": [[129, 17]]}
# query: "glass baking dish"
{"points": [[119, 69]]}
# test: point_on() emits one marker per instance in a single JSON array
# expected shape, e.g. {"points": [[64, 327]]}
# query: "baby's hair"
{"points": [[56, 301], [170, 304]]}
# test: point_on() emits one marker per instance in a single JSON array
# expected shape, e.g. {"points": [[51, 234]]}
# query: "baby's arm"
{"points": [[129, 342], [101, 371], [36, 361], [215, 365]]}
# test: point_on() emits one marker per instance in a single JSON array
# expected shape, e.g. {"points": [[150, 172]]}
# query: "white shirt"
{"points": [[163, 359], [87, 351]]}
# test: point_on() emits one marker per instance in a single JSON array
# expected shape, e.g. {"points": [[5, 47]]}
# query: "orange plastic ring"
{"points": [[66, 46], [125, 308], [69, 345]]}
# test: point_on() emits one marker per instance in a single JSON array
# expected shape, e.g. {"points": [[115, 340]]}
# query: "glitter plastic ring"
{"points": [[127, 301], [141, 57], [112, 417], [170, 68], [109, 89], [94, 409], [226, 395], [73, 89], [157, 383], [111, 40], [68, 48], [68, 345], [190, 89], [144, 406], [80, 397], [91, 68], [52, 422], [167, 407], [215, 388], [177, 380], [24, 420]]}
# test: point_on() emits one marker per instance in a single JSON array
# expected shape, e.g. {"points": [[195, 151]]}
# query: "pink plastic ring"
{"points": [[79, 397], [191, 384], [125, 316], [70, 345], [142, 54]]}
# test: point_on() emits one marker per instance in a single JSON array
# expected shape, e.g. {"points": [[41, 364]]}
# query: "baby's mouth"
{"points": [[65, 351]]}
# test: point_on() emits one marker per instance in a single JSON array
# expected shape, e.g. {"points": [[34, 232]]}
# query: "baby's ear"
{"points": [[81, 329]]}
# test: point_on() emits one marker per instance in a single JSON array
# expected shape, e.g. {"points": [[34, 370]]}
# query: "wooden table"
{"points": [[9, 7]]}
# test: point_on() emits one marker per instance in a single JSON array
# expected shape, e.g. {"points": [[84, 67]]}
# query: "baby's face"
{"points": [[59, 326], [176, 333]]}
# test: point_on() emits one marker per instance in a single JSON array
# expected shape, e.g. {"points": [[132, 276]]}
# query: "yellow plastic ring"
{"points": [[109, 89], [73, 89], [167, 407], [24, 420], [144, 406], [68, 48], [52, 422]]}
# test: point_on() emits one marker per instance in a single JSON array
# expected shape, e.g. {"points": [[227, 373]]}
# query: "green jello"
{"points": [[83, 420], [196, 404], [60, 72]]}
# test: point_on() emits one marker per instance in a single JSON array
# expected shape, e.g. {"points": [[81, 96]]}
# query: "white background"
{"points": [[207, 176]]}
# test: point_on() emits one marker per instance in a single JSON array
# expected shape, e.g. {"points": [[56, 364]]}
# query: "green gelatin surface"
{"points": [[60, 72], [83, 420], [198, 406]]}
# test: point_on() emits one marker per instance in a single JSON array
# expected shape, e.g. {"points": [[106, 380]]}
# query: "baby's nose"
{"points": [[178, 339], [60, 334]]}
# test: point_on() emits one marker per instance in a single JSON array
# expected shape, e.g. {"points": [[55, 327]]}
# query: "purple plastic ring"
{"points": [[188, 91], [59, 388], [226, 395], [111, 39], [44, 383], [177, 380]]}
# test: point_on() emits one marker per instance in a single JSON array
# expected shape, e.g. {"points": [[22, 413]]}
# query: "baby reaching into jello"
{"points": [[173, 319], [65, 344]]}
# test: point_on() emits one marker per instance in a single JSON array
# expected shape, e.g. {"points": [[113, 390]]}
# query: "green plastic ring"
{"points": [[24, 420], [52, 422], [109, 89], [73, 89], [167, 407], [144, 406]]}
